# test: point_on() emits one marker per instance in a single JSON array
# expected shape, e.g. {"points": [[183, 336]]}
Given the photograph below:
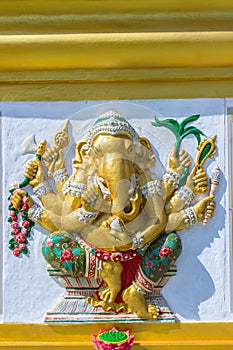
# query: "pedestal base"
{"points": [[74, 308]]}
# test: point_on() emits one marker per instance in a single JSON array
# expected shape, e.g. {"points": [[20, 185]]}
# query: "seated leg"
{"points": [[160, 255], [111, 275], [156, 261], [62, 252]]}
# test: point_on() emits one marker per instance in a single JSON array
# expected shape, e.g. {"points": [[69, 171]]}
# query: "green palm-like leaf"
{"points": [[192, 130], [198, 137], [170, 124], [173, 122], [179, 130], [186, 121], [180, 133]]}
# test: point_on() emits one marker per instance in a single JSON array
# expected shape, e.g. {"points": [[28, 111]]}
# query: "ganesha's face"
{"points": [[114, 161], [107, 148]]}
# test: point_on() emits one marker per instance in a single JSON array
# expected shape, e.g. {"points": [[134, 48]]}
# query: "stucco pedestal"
{"points": [[74, 308]]}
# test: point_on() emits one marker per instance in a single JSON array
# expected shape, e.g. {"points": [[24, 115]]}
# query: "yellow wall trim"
{"points": [[54, 91], [116, 66], [153, 336], [101, 84], [116, 50], [34, 17], [106, 49]]}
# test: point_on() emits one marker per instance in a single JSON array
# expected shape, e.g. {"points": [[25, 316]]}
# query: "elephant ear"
{"points": [[147, 152], [79, 153]]}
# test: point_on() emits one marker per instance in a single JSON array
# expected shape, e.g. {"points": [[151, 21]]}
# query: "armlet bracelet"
{"points": [[186, 194], [86, 216], [190, 216], [42, 189], [35, 212], [74, 188], [151, 188], [171, 177], [60, 175]]}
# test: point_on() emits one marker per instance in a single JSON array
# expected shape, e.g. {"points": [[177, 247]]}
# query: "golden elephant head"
{"points": [[117, 156]]}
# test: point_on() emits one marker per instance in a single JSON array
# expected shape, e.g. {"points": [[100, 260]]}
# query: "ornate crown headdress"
{"points": [[112, 123]]}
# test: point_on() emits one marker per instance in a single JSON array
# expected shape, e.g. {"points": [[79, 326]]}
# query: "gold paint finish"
{"points": [[151, 49], [113, 166]]}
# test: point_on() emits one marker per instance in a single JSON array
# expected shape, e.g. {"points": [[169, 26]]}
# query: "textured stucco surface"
{"points": [[201, 289]]}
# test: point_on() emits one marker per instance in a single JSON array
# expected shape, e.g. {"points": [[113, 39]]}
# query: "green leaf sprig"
{"points": [[179, 129]]}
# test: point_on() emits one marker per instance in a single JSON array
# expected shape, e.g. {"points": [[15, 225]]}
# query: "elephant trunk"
{"points": [[117, 174]]}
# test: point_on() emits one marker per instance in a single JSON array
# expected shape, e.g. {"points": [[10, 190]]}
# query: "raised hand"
{"points": [[205, 205], [197, 181], [17, 199], [92, 198], [210, 209], [185, 159], [178, 162], [54, 159], [34, 172], [200, 182], [106, 238]]}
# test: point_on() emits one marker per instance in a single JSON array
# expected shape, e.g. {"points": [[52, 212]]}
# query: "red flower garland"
{"points": [[18, 244]]}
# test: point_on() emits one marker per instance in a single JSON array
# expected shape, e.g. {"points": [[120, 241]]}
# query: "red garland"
{"points": [[20, 233]]}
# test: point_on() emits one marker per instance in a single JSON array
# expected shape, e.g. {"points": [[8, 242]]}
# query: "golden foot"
{"points": [[111, 275], [105, 294], [107, 306], [136, 302]]}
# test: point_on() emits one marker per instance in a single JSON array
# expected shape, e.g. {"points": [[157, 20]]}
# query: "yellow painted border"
{"points": [[116, 66], [105, 49], [153, 336], [99, 16], [116, 50]]}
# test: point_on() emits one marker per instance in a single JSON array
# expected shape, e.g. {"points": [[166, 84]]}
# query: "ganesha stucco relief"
{"points": [[113, 219]]}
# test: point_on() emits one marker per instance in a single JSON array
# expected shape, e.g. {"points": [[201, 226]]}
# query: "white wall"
{"points": [[201, 289]]}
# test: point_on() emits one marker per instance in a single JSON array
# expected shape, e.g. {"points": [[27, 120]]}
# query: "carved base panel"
{"points": [[74, 308]]}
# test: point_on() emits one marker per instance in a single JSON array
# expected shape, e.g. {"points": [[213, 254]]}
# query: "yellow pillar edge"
{"points": [[174, 336]]}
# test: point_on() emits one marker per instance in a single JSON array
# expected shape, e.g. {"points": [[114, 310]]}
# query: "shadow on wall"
{"points": [[193, 283]]}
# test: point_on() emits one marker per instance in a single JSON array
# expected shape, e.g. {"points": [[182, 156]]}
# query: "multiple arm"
{"points": [[72, 209]]}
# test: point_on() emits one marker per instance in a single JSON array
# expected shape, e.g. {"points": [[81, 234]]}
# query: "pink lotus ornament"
{"points": [[113, 340]]}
